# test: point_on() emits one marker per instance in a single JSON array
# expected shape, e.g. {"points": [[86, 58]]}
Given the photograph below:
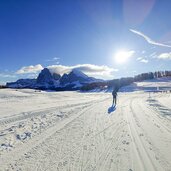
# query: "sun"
{"points": [[123, 56]]}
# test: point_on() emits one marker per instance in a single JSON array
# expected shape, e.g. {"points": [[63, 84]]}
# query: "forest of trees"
{"points": [[2, 86], [118, 83], [151, 75]]}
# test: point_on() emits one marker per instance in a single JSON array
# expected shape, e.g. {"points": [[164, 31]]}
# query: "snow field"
{"points": [[70, 131]]}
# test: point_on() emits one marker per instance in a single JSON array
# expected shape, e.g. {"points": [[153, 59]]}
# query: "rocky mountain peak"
{"points": [[45, 77], [56, 76]]}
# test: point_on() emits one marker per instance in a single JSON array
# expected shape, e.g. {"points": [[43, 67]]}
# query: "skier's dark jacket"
{"points": [[114, 93]]}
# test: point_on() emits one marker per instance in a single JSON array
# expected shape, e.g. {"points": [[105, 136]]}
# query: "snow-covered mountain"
{"points": [[47, 80], [45, 77], [76, 76]]}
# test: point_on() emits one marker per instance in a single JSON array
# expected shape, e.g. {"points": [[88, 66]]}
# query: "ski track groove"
{"points": [[73, 150], [134, 144], [25, 115], [108, 152], [104, 154], [157, 151], [157, 116], [81, 167], [139, 139], [158, 119]]}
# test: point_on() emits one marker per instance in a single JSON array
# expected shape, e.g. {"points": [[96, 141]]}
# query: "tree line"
{"points": [[118, 83]]}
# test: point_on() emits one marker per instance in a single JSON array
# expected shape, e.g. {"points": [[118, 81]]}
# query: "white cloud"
{"points": [[54, 59], [165, 56], [148, 39], [140, 59], [144, 61], [30, 69], [97, 71], [89, 69]]}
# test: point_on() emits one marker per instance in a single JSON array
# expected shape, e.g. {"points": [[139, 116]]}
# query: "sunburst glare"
{"points": [[123, 56]]}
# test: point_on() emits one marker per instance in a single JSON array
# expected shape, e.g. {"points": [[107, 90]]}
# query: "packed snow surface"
{"points": [[72, 131]]}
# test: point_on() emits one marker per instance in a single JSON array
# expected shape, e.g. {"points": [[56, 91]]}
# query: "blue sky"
{"points": [[84, 34]]}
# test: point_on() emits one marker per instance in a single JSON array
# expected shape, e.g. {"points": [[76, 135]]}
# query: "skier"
{"points": [[114, 94]]}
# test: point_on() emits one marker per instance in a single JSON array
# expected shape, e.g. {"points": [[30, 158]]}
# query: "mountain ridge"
{"points": [[54, 81]]}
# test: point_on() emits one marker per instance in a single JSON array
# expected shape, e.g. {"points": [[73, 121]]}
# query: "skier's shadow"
{"points": [[111, 109]]}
